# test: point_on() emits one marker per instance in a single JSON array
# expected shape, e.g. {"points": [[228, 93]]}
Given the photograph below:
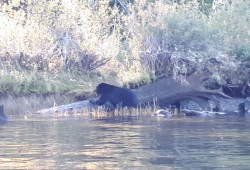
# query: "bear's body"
{"points": [[117, 96]]}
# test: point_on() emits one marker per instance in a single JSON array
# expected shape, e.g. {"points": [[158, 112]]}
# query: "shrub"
{"points": [[177, 40]]}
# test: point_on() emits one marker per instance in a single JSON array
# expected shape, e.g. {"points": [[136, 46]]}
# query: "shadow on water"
{"points": [[3, 117], [126, 143]]}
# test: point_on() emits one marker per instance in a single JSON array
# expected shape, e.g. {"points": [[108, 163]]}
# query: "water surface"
{"points": [[126, 143]]}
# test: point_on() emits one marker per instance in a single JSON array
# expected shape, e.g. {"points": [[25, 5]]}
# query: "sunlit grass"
{"points": [[97, 112], [13, 82]]}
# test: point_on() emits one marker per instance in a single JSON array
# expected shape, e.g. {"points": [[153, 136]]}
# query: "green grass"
{"points": [[26, 83]]}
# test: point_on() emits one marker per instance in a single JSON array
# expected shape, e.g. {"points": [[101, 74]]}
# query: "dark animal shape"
{"points": [[3, 117], [117, 96]]}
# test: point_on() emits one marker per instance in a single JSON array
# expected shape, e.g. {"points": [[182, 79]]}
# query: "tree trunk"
{"points": [[169, 91]]}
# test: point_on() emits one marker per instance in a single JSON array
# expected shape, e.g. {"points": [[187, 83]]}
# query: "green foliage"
{"points": [[179, 39], [42, 83], [182, 39], [232, 23]]}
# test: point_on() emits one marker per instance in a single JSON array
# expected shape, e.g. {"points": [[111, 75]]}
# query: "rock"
{"points": [[234, 105], [247, 105], [189, 104], [231, 105]]}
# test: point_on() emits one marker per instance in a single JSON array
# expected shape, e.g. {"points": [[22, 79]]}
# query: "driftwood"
{"points": [[68, 108], [188, 112], [169, 91]]}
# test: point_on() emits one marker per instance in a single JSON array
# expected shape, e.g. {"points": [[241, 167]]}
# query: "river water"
{"points": [[126, 143]]}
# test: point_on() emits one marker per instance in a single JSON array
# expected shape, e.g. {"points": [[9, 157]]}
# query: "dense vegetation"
{"points": [[70, 46]]}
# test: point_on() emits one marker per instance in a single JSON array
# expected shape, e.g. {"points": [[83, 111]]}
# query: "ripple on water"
{"points": [[176, 143]]}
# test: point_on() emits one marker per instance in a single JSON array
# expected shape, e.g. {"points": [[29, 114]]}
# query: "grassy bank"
{"points": [[26, 92], [45, 83]]}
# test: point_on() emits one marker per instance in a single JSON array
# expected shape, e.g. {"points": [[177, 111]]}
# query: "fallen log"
{"points": [[169, 91], [188, 112], [80, 106]]}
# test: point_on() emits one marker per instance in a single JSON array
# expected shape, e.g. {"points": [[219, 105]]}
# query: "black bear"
{"points": [[116, 96]]}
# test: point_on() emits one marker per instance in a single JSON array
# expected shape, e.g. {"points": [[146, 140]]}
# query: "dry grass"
{"points": [[27, 107], [99, 112]]}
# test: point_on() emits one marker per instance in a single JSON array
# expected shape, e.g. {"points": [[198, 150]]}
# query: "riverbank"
{"points": [[162, 93], [28, 91], [68, 51]]}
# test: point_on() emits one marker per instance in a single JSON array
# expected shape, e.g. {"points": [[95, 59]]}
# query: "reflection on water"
{"points": [[126, 143]]}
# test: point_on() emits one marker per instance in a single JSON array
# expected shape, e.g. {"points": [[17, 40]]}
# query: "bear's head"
{"points": [[103, 88]]}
